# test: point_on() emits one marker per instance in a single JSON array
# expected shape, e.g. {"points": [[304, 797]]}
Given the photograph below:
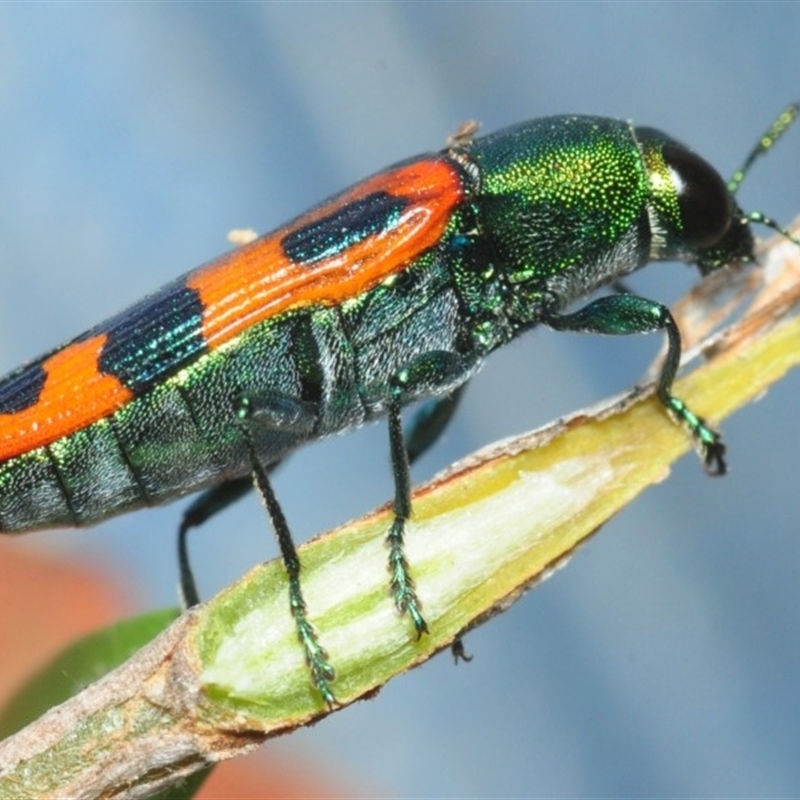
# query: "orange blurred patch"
{"points": [[46, 603]]}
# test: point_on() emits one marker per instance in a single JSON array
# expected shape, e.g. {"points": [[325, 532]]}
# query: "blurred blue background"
{"points": [[663, 662]]}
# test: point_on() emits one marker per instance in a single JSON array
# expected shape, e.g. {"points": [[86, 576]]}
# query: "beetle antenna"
{"points": [[776, 130], [763, 219]]}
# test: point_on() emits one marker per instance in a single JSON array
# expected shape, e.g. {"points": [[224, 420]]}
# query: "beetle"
{"points": [[391, 292]]}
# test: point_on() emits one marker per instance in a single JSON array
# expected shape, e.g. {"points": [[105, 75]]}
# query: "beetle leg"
{"points": [[629, 313], [288, 415], [426, 427], [430, 422], [405, 597], [322, 672], [439, 368], [209, 503], [274, 411], [459, 651]]}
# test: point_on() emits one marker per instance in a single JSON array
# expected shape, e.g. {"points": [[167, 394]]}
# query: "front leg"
{"points": [[628, 313]]}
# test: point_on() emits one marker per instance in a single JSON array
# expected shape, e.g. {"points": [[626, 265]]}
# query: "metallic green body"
{"points": [[555, 209]]}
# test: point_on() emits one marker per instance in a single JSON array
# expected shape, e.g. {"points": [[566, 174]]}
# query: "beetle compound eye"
{"points": [[704, 201]]}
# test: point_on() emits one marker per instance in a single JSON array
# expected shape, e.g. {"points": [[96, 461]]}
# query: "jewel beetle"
{"points": [[393, 291]]}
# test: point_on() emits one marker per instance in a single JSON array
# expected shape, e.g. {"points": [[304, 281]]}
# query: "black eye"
{"points": [[703, 198]]}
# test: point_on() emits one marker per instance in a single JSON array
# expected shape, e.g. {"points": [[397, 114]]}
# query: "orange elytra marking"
{"points": [[245, 287], [74, 395], [258, 281]]}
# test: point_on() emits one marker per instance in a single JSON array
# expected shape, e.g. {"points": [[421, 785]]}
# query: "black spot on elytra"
{"points": [[154, 338], [21, 389], [345, 227]]}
